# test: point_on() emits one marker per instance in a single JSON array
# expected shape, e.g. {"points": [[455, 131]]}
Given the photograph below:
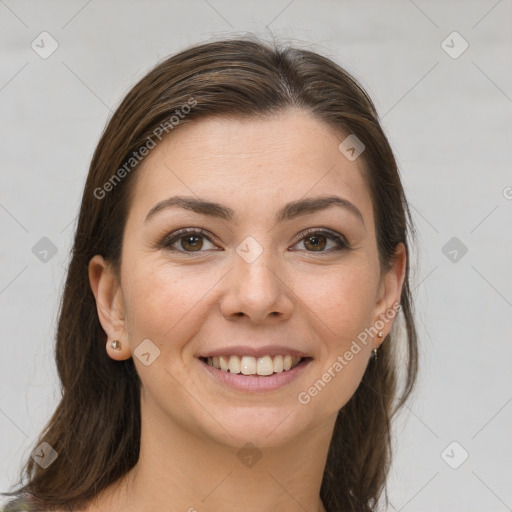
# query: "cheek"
{"points": [[343, 300], [161, 301], [343, 306]]}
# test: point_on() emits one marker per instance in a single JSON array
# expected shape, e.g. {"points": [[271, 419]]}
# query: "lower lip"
{"points": [[255, 383]]}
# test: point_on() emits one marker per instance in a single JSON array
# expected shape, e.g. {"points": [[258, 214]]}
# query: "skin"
{"points": [[186, 304]]}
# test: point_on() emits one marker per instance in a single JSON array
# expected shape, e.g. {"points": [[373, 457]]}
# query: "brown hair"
{"points": [[100, 404]]}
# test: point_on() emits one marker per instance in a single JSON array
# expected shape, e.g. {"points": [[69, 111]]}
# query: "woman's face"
{"points": [[251, 288]]}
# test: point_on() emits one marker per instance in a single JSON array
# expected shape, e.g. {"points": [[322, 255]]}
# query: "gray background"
{"points": [[448, 119]]}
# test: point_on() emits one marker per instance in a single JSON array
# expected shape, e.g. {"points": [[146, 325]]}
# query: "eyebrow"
{"points": [[289, 211]]}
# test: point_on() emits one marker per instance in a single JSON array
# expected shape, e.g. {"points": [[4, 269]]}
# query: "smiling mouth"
{"points": [[249, 365]]}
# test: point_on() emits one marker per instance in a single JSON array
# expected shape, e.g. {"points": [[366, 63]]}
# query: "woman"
{"points": [[225, 336]]}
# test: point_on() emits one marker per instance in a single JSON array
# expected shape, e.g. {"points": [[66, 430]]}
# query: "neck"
{"points": [[194, 473]]}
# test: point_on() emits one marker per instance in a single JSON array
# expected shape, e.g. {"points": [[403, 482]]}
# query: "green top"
{"points": [[18, 505]]}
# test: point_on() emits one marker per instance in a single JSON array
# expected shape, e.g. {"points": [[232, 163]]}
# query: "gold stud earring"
{"points": [[374, 354], [380, 334], [115, 344]]}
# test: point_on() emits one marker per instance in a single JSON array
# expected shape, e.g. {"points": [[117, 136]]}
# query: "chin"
{"points": [[262, 426]]}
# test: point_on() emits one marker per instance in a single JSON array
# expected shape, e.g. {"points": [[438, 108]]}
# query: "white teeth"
{"points": [[248, 365], [265, 366], [278, 364], [234, 364], [224, 363]]}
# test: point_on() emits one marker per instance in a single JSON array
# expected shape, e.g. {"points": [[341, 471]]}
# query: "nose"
{"points": [[257, 290]]}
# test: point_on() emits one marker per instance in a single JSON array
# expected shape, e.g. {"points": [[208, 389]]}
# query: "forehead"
{"points": [[251, 163]]}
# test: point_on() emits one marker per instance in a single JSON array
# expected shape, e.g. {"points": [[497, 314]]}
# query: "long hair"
{"points": [[96, 427]]}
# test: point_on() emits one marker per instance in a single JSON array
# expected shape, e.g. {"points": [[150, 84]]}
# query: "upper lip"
{"points": [[245, 350]]}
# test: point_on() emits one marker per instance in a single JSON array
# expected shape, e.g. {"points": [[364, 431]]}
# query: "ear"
{"points": [[390, 292], [110, 305]]}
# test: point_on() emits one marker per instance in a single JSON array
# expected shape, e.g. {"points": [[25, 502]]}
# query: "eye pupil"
{"points": [[316, 245], [198, 244], [194, 242]]}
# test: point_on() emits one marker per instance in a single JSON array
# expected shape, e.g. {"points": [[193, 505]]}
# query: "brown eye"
{"points": [[315, 240], [187, 241], [191, 242]]}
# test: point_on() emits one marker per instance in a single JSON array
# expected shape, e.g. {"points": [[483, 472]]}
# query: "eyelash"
{"points": [[171, 239]]}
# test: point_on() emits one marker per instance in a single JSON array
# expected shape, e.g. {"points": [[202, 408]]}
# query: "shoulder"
{"points": [[15, 505], [19, 504], [22, 504]]}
